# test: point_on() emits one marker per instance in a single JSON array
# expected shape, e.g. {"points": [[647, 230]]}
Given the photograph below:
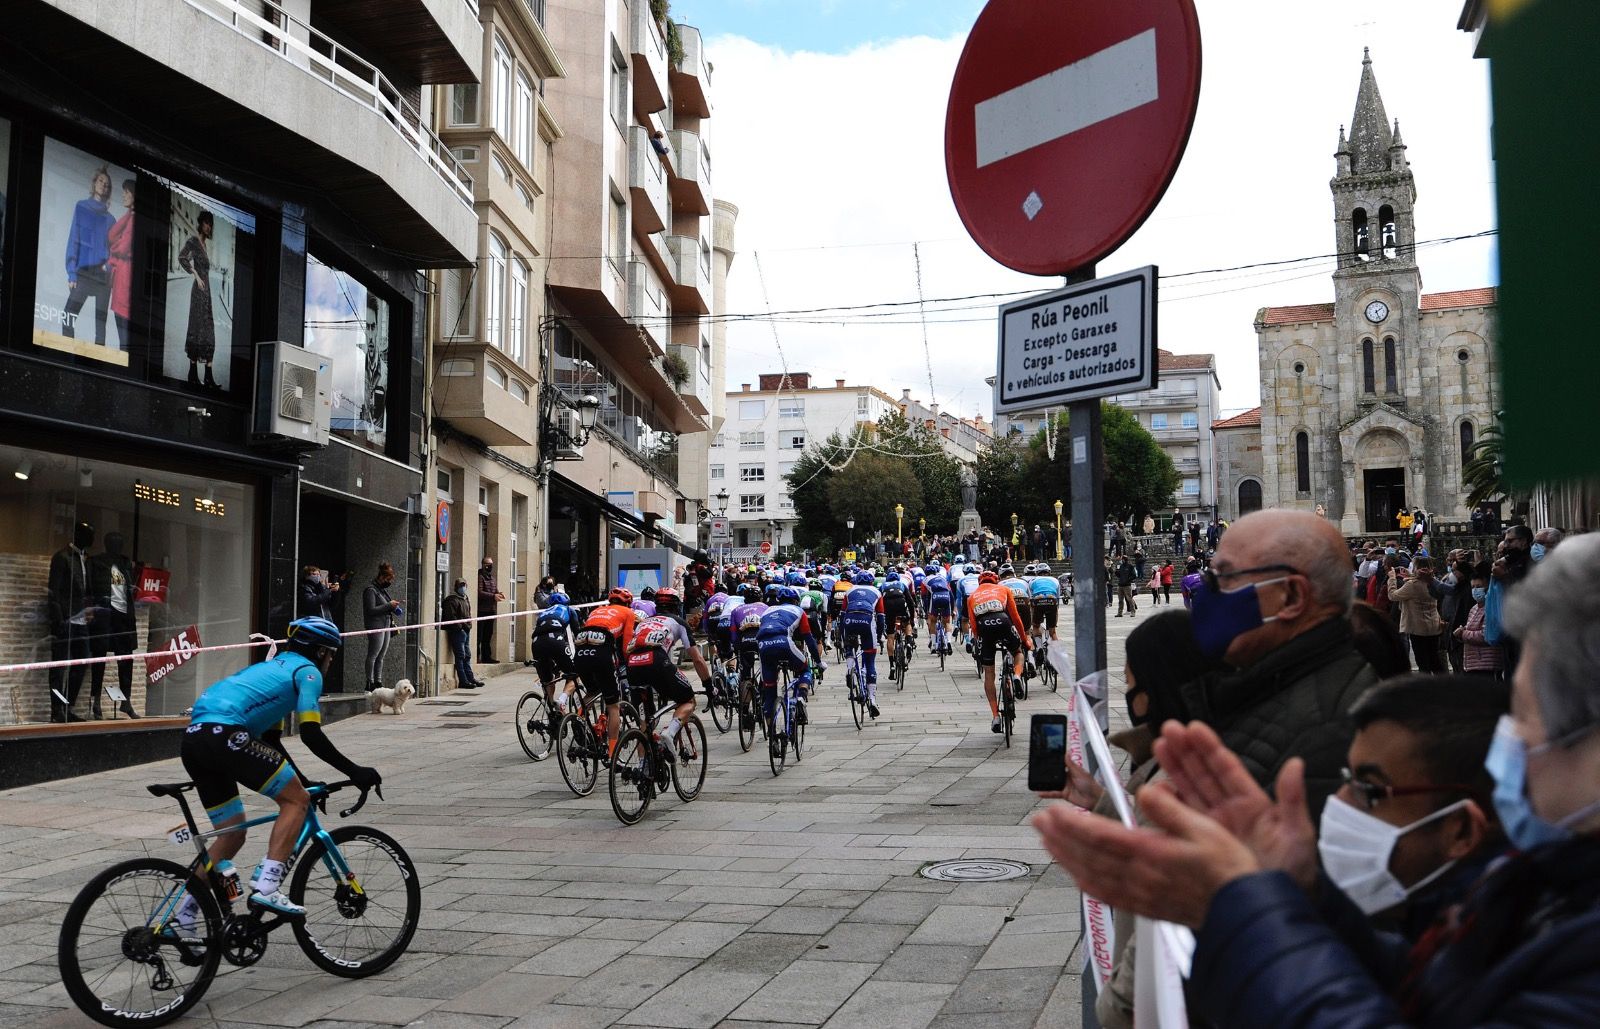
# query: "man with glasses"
{"points": [[1274, 607]]}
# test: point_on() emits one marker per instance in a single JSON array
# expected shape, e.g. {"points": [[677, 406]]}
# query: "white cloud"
{"points": [[822, 152]]}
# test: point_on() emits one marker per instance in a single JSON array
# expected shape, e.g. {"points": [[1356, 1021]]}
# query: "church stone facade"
{"points": [[1369, 402]]}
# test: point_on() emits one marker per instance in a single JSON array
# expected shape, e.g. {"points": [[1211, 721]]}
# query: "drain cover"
{"points": [[445, 703], [974, 870], [465, 714]]}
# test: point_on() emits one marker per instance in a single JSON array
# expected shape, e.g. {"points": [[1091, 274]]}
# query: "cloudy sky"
{"points": [[828, 134]]}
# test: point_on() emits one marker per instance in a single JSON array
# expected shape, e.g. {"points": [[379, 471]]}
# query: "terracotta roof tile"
{"points": [[1180, 362], [1296, 313], [1460, 298], [1245, 420]]}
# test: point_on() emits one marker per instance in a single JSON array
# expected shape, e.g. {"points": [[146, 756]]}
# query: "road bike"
{"points": [[125, 960], [1008, 686], [644, 764], [903, 646], [749, 710], [720, 697], [855, 681], [1041, 652], [582, 746], [537, 717], [940, 641], [785, 731]]}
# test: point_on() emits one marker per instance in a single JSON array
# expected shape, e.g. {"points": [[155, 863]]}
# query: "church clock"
{"points": [[1377, 311]]}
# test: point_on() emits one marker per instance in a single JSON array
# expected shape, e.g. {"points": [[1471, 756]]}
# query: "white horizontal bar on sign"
{"points": [[1103, 85]]}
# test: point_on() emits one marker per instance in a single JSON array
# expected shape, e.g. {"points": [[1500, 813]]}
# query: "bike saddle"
{"points": [[169, 789]]}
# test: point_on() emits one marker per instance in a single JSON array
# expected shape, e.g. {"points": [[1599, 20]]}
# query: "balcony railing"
{"points": [[320, 56]]}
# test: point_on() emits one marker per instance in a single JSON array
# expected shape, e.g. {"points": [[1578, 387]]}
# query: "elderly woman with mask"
{"points": [[1273, 948]]}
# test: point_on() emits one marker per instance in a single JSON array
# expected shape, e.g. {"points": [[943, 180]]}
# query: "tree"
{"points": [[808, 488], [1140, 477], [1000, 478], [937, 472], [869, 487]]}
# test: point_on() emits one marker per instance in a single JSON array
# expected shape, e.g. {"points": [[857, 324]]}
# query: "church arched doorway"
{"points": [[1249, 497]]}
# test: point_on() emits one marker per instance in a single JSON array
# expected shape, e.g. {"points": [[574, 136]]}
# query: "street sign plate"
{"points": [[441, 520], [441, 560], [1089, 339], [720, 532], [1066, 123], [766, 546]]}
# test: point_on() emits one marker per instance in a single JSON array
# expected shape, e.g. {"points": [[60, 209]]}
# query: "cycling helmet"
{"points": [[893, 583], [813, 584], [749, 593], [314, 632], [1007, 570], [559, 599], [666, 597], [864, 579], [788, 595], [622, 596], [794, 579], [648, 593], [988, 577]]}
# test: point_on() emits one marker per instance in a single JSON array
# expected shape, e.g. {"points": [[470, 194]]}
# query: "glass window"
{"points": [[442, 482], [1189, 420], [102, 558], [504, 72], [494, 301], [752, 473], [86, 246], [1368, 378], [208, 307], [619, 87], [516, 342], [752, 410], [716, 471], [1191, 487], [752, 503], [456, 316], [794, 440], [795, 408], [350, 325], [1302, 462], [861, 403], [752, 440], [525, 109], [1390, 371], [618, 232], [464, 104], [718, 441], [1158, 421]]}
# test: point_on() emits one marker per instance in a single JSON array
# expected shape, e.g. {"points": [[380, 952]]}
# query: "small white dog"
{"points": [[395, 698]]}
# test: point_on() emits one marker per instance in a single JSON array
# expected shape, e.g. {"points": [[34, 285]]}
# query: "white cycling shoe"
{"points": [[276, 901]]}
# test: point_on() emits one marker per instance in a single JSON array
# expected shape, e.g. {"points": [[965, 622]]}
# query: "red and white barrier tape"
{"points": [[262, 640]]}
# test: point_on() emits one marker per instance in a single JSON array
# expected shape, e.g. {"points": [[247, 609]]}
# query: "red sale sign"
{"points": [[152, 586], [173, 655]]}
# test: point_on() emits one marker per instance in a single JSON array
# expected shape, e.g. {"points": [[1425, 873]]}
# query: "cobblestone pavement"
{"points": [[766, 902]]}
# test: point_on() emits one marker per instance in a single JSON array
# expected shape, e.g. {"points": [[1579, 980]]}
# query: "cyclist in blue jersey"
{"points": [[936, 589], [234, 737], [862, 625], [1045, 593], [551, 647], [963, 588], [785, 638], [896, 606]]}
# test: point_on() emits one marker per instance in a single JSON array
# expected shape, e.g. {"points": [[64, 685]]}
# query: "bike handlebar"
{"points": [[321, 791]]}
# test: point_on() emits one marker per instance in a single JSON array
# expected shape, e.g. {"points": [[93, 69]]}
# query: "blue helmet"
{"points": [[788, 595], [559, 598], [795, 578], [864, 579], [893, 582], [314, 632]]}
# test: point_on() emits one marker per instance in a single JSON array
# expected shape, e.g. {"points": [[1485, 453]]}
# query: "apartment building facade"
{"points": [[766, 431], [1179, 413], [149, 248], [960, 438]]}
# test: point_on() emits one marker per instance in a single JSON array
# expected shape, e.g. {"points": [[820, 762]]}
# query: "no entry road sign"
{"points": [[1066, 123]]}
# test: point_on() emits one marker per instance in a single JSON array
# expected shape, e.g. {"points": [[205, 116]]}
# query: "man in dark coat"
{"points": [[489, 596]]}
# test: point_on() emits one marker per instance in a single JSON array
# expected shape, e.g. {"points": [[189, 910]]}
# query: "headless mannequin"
{"points": [[111, 581], [71, 612]]}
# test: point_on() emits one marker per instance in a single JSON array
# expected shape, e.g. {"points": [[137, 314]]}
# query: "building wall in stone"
{"points": [[1239, 460]]}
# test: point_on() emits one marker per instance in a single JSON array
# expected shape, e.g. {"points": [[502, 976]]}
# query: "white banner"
{"points": [[1163, 950]]}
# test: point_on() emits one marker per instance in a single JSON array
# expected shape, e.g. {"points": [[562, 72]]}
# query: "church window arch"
{"points": [[1388, 235], [1466, 442], [1302, 462], [1249, 496], [1369, 382], [1360, 232], [1391, 372]]}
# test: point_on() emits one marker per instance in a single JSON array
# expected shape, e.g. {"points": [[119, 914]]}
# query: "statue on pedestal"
{"points": [[969, 488]]}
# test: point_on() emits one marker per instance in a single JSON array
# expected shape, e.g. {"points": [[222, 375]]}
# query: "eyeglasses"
{"points": [[1210, 576], [1372, 792]]}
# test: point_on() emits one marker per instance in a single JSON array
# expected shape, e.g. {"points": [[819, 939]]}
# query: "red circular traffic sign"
{"points": [[766, 546], [1066, 123]]}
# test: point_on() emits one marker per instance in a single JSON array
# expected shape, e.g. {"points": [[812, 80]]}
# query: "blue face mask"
{"points": [[1507, 761], [1536, 552], [1218, 618], [1479, 592]]}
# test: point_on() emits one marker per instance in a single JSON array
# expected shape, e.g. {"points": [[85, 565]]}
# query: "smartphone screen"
{"points": [[1047, 753]]}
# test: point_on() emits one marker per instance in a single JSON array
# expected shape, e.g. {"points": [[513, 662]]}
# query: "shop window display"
{"points": [[206, 239], [83, 290], [349, 324], [99, 558]]}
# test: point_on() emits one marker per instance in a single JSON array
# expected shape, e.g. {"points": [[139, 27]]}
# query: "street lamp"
{"points": [[899, 522], [922, 526], [850, 523], [1059, 506]]}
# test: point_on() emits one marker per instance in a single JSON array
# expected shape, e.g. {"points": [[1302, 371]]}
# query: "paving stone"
{"points": [[897, 908], [626, 982], [860, 941], [691, 939], [808, 992], [1003, 990], [960, 924], [770, 953], [892, 1005], [800, 920], [577, 957], [700, 999]]}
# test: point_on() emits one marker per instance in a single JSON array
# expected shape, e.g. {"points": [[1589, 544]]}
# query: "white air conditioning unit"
{"points": [[292, 403], [568, 428]]}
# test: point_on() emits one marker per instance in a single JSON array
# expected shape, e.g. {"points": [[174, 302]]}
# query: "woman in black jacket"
{"points": [[378, 611]]}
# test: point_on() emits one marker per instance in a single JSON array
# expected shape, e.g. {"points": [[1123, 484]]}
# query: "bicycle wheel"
{"points": [[778, 739], [717, 701], [119, 956], [535, 731], [632, 786], [797, 728], [748, 720], [576, 754], [902, 660], [1008, 715], [857, 704], [359, 926], [689, 768]]}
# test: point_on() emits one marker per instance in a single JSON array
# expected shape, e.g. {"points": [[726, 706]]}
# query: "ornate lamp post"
{"points": [[850, 524], [899, 522], [1059, 507]]}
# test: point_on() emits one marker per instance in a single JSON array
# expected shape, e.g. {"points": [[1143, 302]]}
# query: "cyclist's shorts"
{"points": [[860, 627], [221, 757], [994, 631], [551, 658], [651, 668], [595, 661], [780, 651], [939, 603], [895, 606], [722, 636], [1045, 611]]}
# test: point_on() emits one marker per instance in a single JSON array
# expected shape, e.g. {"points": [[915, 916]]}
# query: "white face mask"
{"points": [[1355, 849]]}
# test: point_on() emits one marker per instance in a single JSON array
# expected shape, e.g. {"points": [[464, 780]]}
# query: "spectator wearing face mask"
{"points": [[1419, 613], [457, 608], [1479, 656], [317, 594]]}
